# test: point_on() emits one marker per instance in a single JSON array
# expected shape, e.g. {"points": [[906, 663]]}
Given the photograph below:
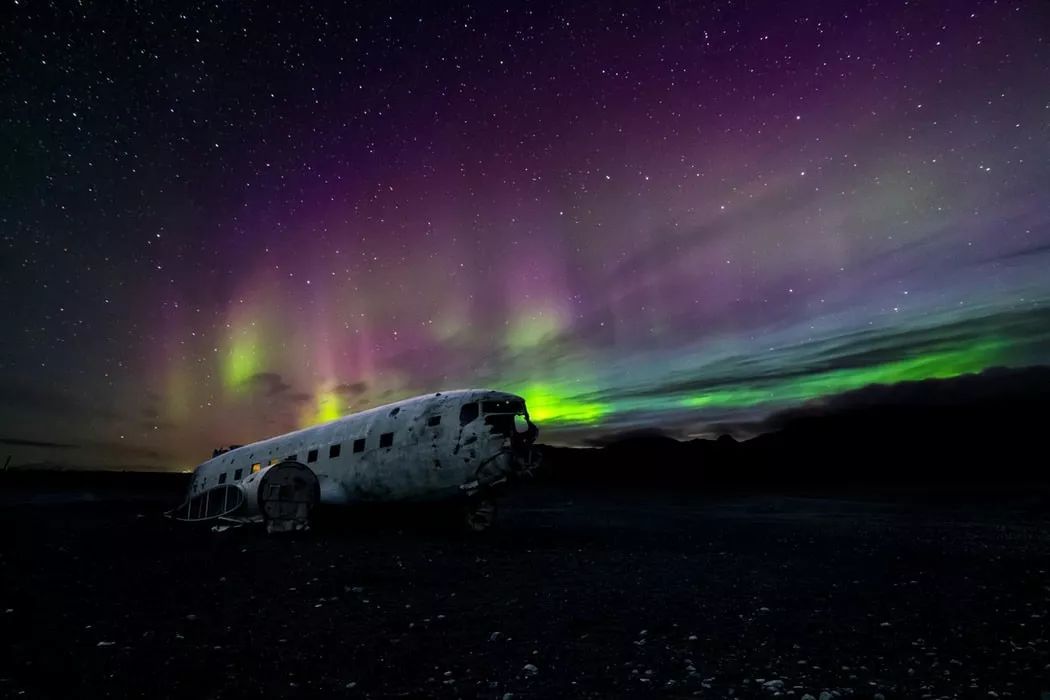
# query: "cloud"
{"points": [[268, 383], [18, 442], [352, 389], [1023, 334]]}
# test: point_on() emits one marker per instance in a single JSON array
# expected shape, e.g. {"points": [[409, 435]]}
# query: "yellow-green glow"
{"points": [[551, 404], [934, 365], [328, 407], [243, 359]]}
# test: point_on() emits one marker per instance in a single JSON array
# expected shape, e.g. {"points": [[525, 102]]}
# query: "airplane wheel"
{"points": [[480, 514]]}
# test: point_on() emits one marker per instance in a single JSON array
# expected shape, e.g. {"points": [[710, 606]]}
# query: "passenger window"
{"points": [[386, 439], [433, 420], [222, 478], [359, 445], [290, 458], [468, 413], [311, 456], [334, 450], [237, 474]]}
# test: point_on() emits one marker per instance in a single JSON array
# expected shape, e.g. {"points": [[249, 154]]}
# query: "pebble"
{"points": [[530, 669]]}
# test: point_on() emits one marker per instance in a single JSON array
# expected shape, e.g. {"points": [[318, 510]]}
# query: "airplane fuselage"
{"points": [[430, 447]]}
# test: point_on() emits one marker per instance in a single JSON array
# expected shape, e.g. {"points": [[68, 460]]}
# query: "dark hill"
{"points": [[983, 428]]}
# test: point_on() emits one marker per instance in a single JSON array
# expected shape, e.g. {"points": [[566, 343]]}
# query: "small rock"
{"points": [[494, 636], [775, 684], [530, 669], [508, 696], [807, 696], [105, 644]]}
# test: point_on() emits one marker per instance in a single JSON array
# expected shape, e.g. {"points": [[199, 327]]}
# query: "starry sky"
{"points": [[221, 221]]}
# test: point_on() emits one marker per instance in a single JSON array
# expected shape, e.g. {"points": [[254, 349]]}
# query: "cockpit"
{"points": [[504, 415]]}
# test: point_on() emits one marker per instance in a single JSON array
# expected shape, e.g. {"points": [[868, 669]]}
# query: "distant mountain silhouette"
{"points": [[981, 428]]}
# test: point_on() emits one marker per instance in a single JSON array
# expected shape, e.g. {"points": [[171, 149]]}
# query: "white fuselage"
{"points": [[429, 447]]}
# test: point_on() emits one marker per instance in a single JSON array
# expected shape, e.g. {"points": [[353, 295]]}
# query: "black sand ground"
{"points": [[574, 595]]}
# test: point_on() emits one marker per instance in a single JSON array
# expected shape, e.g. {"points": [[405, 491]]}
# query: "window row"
{"points": [[385, 440]]}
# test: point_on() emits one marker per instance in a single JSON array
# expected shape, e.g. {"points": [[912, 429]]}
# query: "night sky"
{"points": [[223, 221]]}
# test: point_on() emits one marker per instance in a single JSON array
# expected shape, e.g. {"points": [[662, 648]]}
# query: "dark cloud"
{"points": [[268, 383], [854, 350], [352, 389], [18, 442]]}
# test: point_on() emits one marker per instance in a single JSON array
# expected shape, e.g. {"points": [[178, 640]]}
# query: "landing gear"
{"points": [[479, 514]]}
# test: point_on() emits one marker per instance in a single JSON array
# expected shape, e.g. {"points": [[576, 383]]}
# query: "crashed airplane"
{"points": [[449, 445]]}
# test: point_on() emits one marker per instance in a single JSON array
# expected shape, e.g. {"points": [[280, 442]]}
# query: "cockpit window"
{"points": [[500, 424], [504, 406], [468, 413]]}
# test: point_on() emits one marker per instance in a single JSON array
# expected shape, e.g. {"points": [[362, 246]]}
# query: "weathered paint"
{"points": [[424, 462]]}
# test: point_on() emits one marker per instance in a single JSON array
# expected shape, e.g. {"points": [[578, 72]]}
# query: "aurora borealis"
{"points": [[221, 222]]}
